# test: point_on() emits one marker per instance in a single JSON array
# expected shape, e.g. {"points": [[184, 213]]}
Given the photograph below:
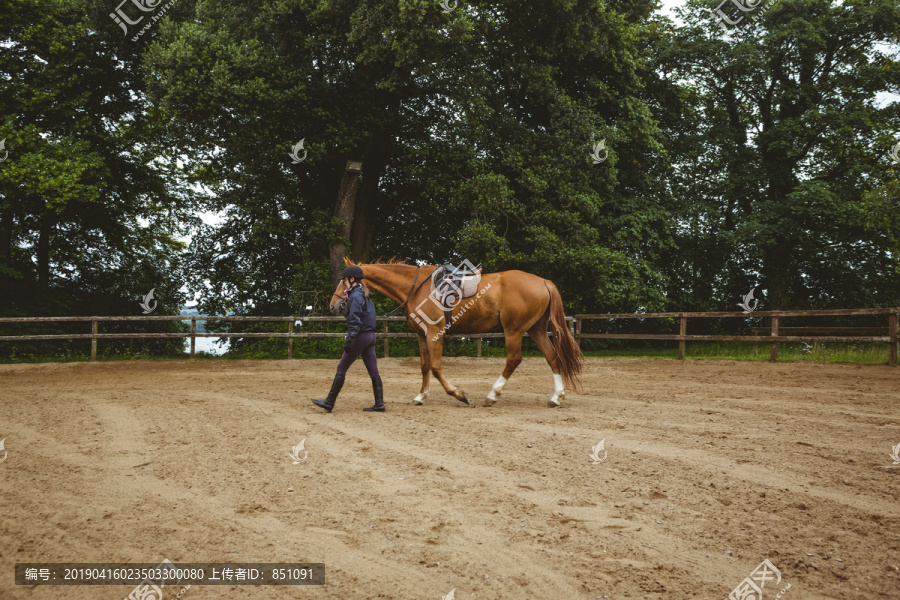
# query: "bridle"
{"points": [[411, 291]]}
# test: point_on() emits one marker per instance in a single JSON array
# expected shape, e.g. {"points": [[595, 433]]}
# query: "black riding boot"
{"points": [[336, 385], [379, 396]]}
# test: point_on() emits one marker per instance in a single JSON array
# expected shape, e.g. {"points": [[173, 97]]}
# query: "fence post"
{"points": [[93, 340], [578, 333], [193, 332], [681, 343], [773, 354], [291, 339], [478, 350], [892, 331], [387, 351]]}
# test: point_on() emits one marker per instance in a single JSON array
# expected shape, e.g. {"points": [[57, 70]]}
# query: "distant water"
{"points": [[205, 344]]}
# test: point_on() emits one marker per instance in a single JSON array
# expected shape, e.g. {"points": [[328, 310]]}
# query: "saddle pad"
{"points": [[445, 286]]}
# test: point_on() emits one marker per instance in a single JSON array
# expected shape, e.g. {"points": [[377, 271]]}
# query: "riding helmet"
{"points": [[352, 271]]}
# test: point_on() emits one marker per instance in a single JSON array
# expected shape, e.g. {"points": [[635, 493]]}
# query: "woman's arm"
{"points": [[356, 308]]}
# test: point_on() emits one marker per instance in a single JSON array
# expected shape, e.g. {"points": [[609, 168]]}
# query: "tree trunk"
{"points": [[365, 213], [43, 251], [6, 236], [777, 256], [344, 209], [777, 271]]}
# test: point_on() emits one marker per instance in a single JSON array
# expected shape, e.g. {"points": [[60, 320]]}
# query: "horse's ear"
{"points": [[347, 262]]}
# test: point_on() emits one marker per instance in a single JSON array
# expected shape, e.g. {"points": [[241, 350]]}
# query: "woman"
{"points": [[360, 340]]}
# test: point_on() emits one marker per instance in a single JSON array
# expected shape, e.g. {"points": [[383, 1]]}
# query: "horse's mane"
{"points": [[378, 261]]}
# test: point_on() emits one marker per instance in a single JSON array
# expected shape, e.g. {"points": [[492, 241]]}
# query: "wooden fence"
{"points": [[94, 335], [574, 324], [773, 336]]}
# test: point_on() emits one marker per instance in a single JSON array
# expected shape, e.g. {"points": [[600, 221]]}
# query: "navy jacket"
{"points": [[360, 313]]}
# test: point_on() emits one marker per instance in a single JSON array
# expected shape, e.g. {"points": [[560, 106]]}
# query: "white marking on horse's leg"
{"points": [[420, 399], [559, 390], [495, 391]]}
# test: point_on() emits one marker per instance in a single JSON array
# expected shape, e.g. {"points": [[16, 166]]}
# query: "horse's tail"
{"points": [[568, 354]]}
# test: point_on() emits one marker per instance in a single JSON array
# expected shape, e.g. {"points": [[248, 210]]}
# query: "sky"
{"points": [[668, 5]]}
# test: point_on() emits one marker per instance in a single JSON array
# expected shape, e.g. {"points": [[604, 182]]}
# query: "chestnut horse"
{"points": [[518, 301]]}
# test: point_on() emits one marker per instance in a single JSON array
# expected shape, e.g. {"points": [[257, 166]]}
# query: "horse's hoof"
{"points": [[553, 403], [465, 400], [488, 402]]}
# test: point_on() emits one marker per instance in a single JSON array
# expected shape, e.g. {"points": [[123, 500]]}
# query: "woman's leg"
{"points": [[356, 347], [347, 358], [368, 356]]}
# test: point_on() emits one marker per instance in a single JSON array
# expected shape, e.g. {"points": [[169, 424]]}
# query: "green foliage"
{"points": [[777, 132], [881, 208], [91, 204], [484, 142]]}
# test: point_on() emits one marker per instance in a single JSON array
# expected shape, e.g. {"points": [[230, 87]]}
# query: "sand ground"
{"points": [[712, 467]]}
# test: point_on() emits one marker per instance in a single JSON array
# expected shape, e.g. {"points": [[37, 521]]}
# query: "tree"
{"points": [[476, 125], [780, 135], [89, 204]]}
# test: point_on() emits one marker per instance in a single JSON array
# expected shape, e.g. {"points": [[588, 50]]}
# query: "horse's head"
{"points": [[339, 298]]}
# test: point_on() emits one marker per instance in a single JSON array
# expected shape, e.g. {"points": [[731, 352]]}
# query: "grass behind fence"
{"points": [[787, 351], [331, 348]]}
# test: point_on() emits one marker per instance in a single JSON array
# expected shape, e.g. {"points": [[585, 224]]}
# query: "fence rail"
{"points": [[193, 334], [574, 324], [773, 337]]}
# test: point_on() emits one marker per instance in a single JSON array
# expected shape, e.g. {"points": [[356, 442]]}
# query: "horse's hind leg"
{"points": [[513, 359], [426, 370], [539, 334]]}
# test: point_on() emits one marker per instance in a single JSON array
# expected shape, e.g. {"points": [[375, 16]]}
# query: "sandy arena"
{"points": [[712, 467]]}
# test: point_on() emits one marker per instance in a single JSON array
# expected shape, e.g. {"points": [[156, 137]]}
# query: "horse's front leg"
{"points": [[426, 370], [435, 351]]}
